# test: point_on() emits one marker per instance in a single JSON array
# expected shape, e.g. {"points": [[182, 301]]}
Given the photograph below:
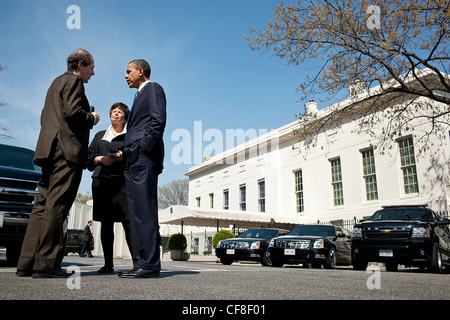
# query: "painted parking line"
{"points": [[218, 269]]}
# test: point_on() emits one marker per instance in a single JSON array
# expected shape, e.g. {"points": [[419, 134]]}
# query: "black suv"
{"points": [[412, 235], [18, 189]]}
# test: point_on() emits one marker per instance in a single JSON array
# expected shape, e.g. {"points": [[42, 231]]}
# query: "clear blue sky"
{"points": [[196, 49]]}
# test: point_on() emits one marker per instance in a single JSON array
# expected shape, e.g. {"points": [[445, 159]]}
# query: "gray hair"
{"points": [[79, 55]]}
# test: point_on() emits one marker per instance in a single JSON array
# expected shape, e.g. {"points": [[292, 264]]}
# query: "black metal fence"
{"points": [[347, 224], [444, 214]]}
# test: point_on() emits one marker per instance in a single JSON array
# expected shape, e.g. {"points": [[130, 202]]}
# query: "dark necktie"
{"points": [[135, 96]]}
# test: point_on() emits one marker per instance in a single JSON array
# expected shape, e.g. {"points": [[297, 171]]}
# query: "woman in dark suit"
{"points": [[108, 182]]}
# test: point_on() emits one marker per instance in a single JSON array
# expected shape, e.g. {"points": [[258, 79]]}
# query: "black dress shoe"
{"points": [[52, 273], [105, 270], [23, 273], [140, 273], [126, 271]]}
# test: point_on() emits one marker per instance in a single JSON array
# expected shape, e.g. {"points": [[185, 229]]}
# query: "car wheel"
{"points": [[331, 260], [13, 253], [277, 264], [391, 266], [436, 259], [359, 265], [266, 261], [226, 261]]}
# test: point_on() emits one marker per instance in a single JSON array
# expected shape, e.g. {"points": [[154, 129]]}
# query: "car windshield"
{"points": [[17, 158], [259, 233], [402, 214], [318, 230]]}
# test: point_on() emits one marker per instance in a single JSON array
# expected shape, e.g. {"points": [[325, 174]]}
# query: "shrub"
{"points": [[177, 241], [221, 235]]}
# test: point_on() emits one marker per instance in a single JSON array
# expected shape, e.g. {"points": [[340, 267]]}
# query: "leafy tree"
{"points": [[391, 54], [83, 198], [174, 192]]}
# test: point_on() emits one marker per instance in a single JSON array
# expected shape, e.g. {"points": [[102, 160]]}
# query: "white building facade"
{"points": [[340, 176]]}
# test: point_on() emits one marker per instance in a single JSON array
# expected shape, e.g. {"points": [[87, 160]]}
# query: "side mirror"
{"points": [[441, 222]]}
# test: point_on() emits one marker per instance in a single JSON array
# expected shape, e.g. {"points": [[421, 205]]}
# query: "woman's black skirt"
{"points": [[110, 199]]}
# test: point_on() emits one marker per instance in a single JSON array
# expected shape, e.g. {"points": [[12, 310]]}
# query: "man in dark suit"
{"points": [[144, 154], [87, 239], [61, 152]]}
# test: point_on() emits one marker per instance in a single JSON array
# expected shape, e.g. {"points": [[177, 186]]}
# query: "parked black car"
{"points": [[74, 241], [251, 245], [410, 235], [18, 188], [312, 244]]}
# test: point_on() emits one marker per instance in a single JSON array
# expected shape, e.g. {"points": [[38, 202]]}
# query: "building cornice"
{"points": [[287, 132]]}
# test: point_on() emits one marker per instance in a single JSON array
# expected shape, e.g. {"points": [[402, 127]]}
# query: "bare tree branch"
{"points": [[405, 57]]}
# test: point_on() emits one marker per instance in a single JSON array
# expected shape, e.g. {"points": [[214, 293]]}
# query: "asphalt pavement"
{"points": [[202, 282]]}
